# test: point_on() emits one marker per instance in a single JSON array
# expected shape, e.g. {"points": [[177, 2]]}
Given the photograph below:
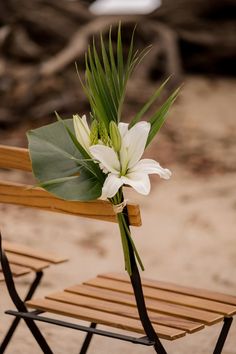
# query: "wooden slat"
{"points": [[16, 270], [31, 263], [202, 293], [13, 193], [124, 310], [15, 158], [102, 318], [208, 318], [31, 252], [175, 298]]}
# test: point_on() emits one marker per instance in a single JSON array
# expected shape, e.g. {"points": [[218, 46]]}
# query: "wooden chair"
{"points": [[22, 259], [153, 309]]}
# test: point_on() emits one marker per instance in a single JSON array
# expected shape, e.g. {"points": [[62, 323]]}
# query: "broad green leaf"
{"points": [[73, 137], [76, 188], [54, 156], [86, 161], [55, 181]]}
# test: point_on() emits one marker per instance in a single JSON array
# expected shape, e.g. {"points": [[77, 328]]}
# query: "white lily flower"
{"points": [[82, 131], [126, 167]]}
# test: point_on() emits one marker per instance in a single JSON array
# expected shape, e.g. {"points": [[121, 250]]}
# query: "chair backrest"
{"points": [[30, 196]]}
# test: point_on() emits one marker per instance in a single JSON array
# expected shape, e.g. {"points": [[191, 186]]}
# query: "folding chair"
{"points": [[22, 259], [154, 309]]}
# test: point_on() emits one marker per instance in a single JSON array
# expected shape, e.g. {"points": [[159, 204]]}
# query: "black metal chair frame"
{"points": [[16, 321], [19, 303], [151, 338]]}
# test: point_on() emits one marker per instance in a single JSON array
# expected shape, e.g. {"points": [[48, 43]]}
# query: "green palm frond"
{"points": [[158, 118], [138, 116], [107, 72], [106, 76]]}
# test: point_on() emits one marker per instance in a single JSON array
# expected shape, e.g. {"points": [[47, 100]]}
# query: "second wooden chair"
{"points": [[153, 309]]}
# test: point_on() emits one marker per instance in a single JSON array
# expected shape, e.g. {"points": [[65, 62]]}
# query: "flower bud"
{"points": [[82, 131], [94, 132], [103, 133], [115, 136]]}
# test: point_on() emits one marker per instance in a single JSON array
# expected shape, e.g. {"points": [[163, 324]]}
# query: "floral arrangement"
{"points": [[81, 160]]}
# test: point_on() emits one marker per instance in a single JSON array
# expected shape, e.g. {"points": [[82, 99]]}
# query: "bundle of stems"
{"points": [[68, 157], [126, 238]]}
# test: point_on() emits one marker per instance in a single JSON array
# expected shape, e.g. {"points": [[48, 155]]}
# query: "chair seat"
{"points": [[24, 259], [108, 299]]}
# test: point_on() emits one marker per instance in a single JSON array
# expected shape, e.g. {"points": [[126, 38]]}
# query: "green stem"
{"points": [[132, 243], [125, 245], [125, 234]]}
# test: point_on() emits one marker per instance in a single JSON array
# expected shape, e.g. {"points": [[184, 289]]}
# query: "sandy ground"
{"points": [[188, 232]]}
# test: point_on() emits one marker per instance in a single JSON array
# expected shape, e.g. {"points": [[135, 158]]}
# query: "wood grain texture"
{"points": [[32, 263], [24, 259], [32, 252], [17, 271], [20, 194], [124, 310], [15, 158], [167, 296], [208, 318], [155, 284], [100, 317]]}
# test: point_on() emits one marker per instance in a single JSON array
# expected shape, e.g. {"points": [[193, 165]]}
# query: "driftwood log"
{"points": [[41, 40]]}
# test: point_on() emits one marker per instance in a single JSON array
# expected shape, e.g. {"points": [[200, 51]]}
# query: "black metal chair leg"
{"points": [[136, 283], [87, 340], [223, 335], [38, 336], [16, 321], [19, 303], [159, 348]]}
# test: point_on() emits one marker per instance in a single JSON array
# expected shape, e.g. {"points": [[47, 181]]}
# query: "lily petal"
{"points": [[123, 128], [135, 141], [139, 181], [107, 157], [111, 186], [151, 166]]}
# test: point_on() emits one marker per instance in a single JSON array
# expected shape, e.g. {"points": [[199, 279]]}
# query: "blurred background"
{"points": [[41, 40], [189, 222]]}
